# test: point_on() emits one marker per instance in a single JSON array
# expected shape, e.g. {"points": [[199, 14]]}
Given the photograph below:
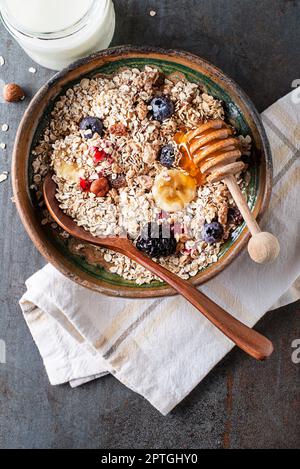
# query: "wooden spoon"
{"points": [[247, 339]]}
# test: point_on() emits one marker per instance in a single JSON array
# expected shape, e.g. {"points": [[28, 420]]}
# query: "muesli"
{"points": [[111, 144]]}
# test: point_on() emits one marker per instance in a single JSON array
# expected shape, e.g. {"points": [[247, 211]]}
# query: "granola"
{"points": [[105, 149]]}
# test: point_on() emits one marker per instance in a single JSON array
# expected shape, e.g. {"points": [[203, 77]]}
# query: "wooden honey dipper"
{"points": [[211, 153]]}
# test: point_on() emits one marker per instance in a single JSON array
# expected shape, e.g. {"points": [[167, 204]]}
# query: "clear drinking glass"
{"points": [[54, 33]]}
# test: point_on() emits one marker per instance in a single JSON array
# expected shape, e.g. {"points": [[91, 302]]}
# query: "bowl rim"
{"points": [[21, 191]]}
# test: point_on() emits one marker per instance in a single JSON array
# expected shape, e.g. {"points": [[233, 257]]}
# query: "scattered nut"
{"points": [[13, 93], [118, 129], [149, 155], [145, 181], [100, 187], [142, 110]]}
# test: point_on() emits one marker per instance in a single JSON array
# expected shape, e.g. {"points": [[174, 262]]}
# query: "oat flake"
{"points": [[3, 176]]}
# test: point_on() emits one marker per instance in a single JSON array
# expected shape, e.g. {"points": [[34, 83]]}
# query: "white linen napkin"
{"points": [[162, 348]]}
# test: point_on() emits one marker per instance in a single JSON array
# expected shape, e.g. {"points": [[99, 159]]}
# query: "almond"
{"points": [[13, 93]]}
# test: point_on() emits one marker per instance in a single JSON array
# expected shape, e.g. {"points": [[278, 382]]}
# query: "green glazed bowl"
{"points": [[90, 270]]}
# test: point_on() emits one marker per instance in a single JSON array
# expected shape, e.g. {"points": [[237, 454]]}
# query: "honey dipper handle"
{"points": [[241, 202], [263, 247]]}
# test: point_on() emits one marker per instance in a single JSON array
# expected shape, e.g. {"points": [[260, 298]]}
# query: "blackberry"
{"points": [[157, 240]]}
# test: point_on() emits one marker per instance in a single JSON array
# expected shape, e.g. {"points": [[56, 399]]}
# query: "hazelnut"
{"points": [[100, 187], [13, 93]]}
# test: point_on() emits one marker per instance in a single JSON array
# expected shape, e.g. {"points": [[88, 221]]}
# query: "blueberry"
{"points": [[212, 232], [167, 155], [90, 126], [162, 108]]}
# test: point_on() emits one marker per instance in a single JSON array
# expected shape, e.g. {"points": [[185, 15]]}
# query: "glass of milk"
{"points": [[54, 33]]}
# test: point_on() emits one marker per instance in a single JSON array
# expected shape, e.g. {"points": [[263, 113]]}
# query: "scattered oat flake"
{"points": [[152, 13], [3, 146], [2, 61], [4, 127], [32, 70], [3, 176]]}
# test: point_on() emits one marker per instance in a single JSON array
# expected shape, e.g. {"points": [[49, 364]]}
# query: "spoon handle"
{"points": [[253, 343]]}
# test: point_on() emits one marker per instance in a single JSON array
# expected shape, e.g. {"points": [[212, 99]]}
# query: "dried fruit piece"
{"points": [[117, 180], [235, 216], [100, 186], [12, 93], [118, 129]]}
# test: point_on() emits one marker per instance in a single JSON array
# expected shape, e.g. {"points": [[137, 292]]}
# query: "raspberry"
{"points": [[98, 155], [85, 184]]}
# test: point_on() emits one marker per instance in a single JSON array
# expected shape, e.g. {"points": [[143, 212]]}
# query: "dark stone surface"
{"points": [[241, 404]]}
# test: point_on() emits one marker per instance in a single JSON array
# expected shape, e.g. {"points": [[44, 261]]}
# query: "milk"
{"points": [[54, 33]]}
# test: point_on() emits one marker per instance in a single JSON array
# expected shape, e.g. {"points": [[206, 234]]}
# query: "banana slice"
{"points": [[70, 172], [173, 190]]}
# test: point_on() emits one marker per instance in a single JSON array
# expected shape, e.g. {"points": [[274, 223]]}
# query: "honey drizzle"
{"points": [[187, 161]]}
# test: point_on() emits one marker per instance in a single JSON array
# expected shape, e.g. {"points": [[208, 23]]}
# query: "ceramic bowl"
{"points": [[91, 272]]}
